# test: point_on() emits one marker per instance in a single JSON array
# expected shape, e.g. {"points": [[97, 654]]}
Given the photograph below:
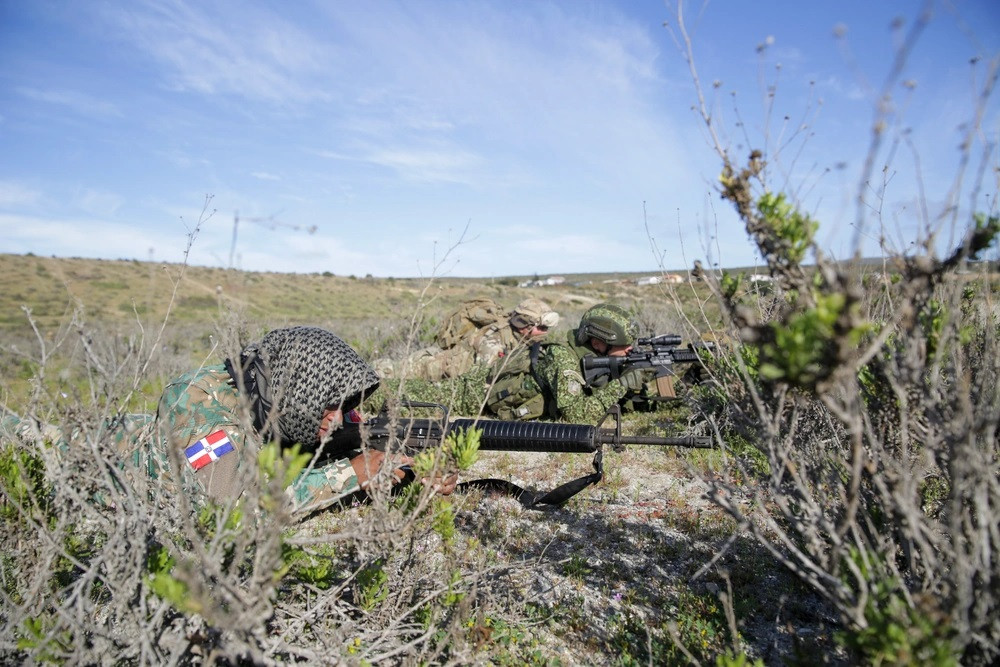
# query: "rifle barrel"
{"points": [[694, 441]]}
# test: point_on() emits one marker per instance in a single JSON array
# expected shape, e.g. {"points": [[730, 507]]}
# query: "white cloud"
{"points": [[98, 203], [13, 194], [228, 49], [75, 237], [81, 103], [427, 166]]}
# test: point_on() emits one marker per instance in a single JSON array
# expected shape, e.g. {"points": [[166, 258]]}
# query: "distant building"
{"points": [[543, 282], [669, 278]]}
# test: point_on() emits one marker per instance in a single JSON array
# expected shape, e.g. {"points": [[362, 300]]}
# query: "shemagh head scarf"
{"points": [[292, 375]]}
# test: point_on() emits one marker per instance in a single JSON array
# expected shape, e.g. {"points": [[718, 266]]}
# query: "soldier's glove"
{"points": [[634, 380]]}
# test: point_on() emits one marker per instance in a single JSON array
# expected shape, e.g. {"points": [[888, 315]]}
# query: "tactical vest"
{"points": [[467, 320], [514, 393]]}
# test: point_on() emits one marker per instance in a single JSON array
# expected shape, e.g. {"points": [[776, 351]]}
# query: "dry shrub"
{"points": [[864, 403], [103, 562]]}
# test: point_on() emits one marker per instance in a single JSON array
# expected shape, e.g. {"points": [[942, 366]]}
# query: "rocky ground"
{"points": [[632, 568]]}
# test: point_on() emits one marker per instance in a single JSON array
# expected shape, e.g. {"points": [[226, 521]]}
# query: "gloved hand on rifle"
{"points": [[644, 389]]}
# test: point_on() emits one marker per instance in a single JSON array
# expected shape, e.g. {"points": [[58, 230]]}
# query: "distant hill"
{"points": [[123, 290]]}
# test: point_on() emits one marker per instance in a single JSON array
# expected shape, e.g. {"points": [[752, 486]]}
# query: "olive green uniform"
{"points": [[557, 377]]}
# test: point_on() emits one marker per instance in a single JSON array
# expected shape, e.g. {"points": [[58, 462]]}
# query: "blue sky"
{"points": [[559, 135]]}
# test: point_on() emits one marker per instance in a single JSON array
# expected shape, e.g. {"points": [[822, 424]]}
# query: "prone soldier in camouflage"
{"points": [[604, 330], [529, 322], [540, 381], [477, 333], [294, 386]]}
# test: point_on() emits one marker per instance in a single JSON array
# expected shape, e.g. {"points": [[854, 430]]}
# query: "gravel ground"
{"points": [[645, 544]]}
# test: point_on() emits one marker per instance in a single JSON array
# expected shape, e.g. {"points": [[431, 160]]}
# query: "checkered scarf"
{"points": [[293, 374]]}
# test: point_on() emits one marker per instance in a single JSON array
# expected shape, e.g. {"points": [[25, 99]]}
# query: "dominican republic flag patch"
{"points": [[208, 449]]}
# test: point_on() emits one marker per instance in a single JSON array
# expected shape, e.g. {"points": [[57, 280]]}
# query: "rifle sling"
{"points": [[530, 500]]}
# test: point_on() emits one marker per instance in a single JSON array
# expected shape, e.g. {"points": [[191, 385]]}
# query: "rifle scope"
{"points": [[663, 340]]}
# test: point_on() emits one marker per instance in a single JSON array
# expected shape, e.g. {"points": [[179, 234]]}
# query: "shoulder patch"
{"points": [[208, 449]]}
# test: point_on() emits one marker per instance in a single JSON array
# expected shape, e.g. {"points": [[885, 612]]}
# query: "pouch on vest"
{"points": [[514, 392], [469, 318]]}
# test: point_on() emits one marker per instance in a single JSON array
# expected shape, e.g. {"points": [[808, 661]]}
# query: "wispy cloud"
{"points": [[427, 166], [78, 102], [97, 202], [13, 193], [227, 49]]}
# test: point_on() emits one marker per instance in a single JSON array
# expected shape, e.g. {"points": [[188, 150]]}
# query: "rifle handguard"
{"points": [[513, 436]]}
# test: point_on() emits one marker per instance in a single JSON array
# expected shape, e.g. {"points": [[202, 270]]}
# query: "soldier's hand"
{"points": [[367, 464], [443, 485], [634, 380]]}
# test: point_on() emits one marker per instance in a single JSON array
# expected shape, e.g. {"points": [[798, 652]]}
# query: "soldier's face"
{"points": [[602, 348], [332, 420], [535, 331]]}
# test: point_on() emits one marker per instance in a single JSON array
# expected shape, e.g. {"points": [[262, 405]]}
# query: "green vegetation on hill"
{"points": [[115, 291]]}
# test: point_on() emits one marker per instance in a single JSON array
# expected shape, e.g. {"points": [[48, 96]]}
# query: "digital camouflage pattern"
{"points": [[567, 396], [609, 323], [558, 377], [204, 401]]}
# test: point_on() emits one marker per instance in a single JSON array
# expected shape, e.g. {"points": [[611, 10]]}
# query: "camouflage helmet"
{"points": [[609, 323]]}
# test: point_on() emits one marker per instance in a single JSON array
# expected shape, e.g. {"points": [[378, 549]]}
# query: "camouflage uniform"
{"points": [[285, 383], [567, 396], [204, 402], [458, 351], [207, 425], [557, 376]]}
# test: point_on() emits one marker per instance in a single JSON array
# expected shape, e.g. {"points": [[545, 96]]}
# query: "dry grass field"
{"points": [[378, 316], [835, 520]]}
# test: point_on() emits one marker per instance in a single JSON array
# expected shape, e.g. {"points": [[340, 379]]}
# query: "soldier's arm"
{"points": [[195, 412], [321, 487], [575, 401]]}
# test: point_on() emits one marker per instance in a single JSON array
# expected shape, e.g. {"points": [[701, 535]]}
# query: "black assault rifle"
{"points": [[416, 434], [658, 354]]}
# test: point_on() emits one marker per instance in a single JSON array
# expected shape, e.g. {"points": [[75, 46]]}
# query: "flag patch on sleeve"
{"points": [[208, 449]]}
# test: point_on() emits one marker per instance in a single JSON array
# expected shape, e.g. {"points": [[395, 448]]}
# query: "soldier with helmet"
{"points": [[604, 330], [543, 380]]}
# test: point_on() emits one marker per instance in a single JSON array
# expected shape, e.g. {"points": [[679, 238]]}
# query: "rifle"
{"points": [[655, 353], [416, 434]]}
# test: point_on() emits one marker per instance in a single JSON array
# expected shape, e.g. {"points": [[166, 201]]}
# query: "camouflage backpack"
{"points": [[468, 319], [514, 391]]}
